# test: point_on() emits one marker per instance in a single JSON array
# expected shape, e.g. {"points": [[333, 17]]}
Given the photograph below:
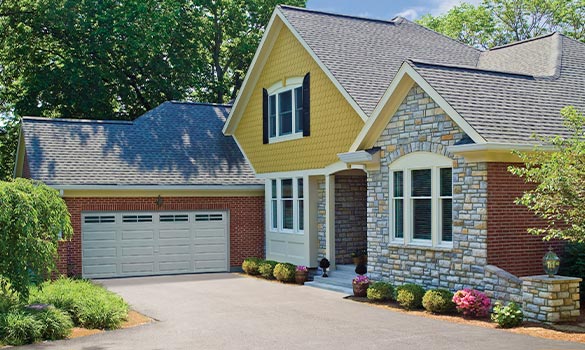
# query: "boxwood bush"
{"points": [[410, 295], [438, 301], [285, 272], [380, 291], [251, 265], [88, 304], [266, 269]]}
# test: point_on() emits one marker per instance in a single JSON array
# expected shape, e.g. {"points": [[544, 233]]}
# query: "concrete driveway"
{"points": [[226, 311]]}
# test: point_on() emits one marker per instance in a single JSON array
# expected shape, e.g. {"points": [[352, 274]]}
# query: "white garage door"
{"points": [[153, 243]]}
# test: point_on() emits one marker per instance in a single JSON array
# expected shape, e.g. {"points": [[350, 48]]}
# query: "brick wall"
{"points": [[510, 247], [246, 222], [350, 216]]}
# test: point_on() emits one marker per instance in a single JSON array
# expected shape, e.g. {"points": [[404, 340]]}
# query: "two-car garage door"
{"points": [[120, 244]]}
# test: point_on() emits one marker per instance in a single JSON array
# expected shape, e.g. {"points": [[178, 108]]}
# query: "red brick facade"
{"points": [[509, 246], [246, 222]]}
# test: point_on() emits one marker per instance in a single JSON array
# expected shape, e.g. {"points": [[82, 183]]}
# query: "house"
{"points": [[386, 136], [164, 194]]}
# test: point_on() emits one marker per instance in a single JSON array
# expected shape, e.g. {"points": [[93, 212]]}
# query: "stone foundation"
{"points": [[502, 285], [550, 300]]}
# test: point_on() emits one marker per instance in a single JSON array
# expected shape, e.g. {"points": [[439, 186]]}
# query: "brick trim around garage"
{"points": [[246, 223]]}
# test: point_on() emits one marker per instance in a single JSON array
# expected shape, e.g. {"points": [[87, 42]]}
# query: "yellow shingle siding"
{"points": [[334, 123]]}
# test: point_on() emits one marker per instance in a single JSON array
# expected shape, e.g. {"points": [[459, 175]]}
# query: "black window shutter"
{"points": [[307, 105], [264, 116]]}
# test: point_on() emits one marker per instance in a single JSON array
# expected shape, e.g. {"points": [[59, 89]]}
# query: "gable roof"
{"points": [[176, 143], [510, 107], [364, 54]]}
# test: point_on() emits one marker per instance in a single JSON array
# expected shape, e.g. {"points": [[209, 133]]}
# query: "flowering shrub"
{"points": [[284, 272], [507, 316], [266, 269], [438, 301], [361, 280], [251, 265], [302, 268], [472, 302], [380, 291]]}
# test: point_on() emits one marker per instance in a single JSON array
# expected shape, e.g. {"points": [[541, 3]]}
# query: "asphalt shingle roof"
{"points": [[511, 108], [365, 54], [174, 144], [506, 94]]}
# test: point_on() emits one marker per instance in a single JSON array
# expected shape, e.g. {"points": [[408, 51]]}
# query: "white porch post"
{"points": [[330, 222]]}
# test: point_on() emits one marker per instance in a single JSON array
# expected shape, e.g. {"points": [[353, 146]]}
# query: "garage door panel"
{"points": [[176, 266], [137, 244], [100, 252], [92, 236], [175, 233], [210, 232], [137, 251], [128, 235], [137, 267]]}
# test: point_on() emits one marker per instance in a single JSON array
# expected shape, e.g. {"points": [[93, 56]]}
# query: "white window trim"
{"points": [[279, 207], [275, 89], [406, 164]]}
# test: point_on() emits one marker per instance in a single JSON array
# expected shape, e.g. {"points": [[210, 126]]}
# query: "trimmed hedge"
{"points": [[251, 266], [88, 304], [266, 269], [285, 272], [438, 301], [410, 296], [380, 291]]}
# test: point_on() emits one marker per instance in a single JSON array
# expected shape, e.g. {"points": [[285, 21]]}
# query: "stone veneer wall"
{"points": [[350, 216], [551, 300], [421, 125]]}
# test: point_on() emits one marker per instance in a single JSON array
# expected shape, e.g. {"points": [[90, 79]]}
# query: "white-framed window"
{"points": [[285, 110], [421, 197], [287, 205]]}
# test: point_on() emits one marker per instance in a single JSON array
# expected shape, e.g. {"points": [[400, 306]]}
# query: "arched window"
{"points": [[421, 197]]}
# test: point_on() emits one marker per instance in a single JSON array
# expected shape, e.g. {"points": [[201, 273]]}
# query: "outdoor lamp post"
{"points": [[551, 263]]}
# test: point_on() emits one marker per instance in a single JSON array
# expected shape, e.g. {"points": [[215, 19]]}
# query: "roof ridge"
{"points": [[201, 103], [520, 42], [446, 65], [404, 19], [338, 14], [79, 121]]}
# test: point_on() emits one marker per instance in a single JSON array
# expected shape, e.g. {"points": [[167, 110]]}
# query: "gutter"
{"points": [[158, 187], [496, 152]]}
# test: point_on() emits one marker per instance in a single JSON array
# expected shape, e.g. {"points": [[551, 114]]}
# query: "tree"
{"points": [[8, 145], [559, 179], [33, 219], [499, 22], [111, 59]]}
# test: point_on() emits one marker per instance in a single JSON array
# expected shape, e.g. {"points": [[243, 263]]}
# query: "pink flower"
{"points": [[302, 268], [472, 302]]}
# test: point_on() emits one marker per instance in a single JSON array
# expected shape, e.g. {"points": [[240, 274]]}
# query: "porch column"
{"points": [[330, 221]]}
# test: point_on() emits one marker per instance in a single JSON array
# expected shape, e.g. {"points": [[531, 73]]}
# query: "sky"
{"points": [[386, 9]]}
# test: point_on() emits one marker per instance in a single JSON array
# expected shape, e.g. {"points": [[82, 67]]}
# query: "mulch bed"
{"points": [[573, 331], [134, 319]]}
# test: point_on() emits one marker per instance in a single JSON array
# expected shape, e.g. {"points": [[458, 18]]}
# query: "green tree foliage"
{"points": [[110, 59], [499, 22], [559, 178], [33, 219], [8, 142]]}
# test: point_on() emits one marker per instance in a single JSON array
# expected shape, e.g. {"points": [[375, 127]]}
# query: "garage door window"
{"points": [[100, 219], [136, 218], [208, 217], [174, 218]]}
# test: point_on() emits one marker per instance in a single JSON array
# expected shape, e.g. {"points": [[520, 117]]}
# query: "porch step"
{"points": [[339, 280]]}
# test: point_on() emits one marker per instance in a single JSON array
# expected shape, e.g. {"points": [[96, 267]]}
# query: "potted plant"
{"points": [[301, 274], [360, 286]]}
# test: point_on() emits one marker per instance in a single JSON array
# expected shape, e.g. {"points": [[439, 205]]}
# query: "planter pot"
{"points": [[360, 290], [301, 277]]}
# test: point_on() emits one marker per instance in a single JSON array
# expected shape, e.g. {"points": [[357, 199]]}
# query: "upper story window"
{"points": [[421, 209], [286, 110]]}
